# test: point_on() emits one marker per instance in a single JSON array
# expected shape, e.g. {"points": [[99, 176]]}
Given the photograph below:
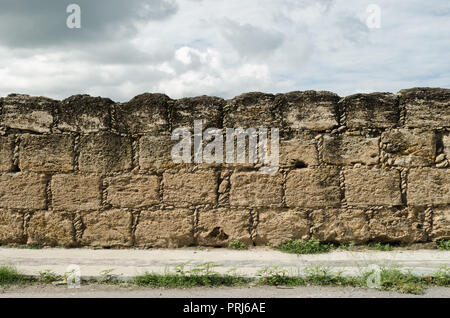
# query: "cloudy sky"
{"points": [[222, 47]]}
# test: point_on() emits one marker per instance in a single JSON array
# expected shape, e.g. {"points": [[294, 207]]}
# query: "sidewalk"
{"points": [[128, 263]]}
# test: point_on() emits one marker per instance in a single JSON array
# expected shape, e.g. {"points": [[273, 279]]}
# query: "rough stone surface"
{"points": [[375, 110], [218, 227], [28, 113], [23, 191], [340, 226], [426, 107], [256, 189], [155, 152], [6, 153], [313, 187], [132, 191], [205, 108], [190, 188], [298, 152], [46, 153], [372, 187], [252, 110], [104, 152], [83, 113], [428, 186], [410, 147], [73, 192], [170, 228], [11, 227], [309, 110], [51, 229], [111, 228], [446, 144], [146, 113], [441, 224], [277, 226], [350, 149], [397, 225]]}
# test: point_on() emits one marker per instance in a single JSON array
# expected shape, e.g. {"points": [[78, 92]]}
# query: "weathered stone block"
{"points": [[256, 189], [372, 187], [441, 224], [428, 186], [184, 189], [51, 229], [298, 152], [85, 114], [205, 108], [313, 187], [23, 191], [104, 152], [73, 192], [11, 227], [446, 144], [111, 228], [132, 191], [169, 228], [277, 226], [146, 113], [46, 153], [6, 153], [410, 147], [28, 113], [309, 110], [375, 110], [252, 110], [218, 227], [345, 149], [340, 225], [426, 107], [155, 152], [392, 225]]}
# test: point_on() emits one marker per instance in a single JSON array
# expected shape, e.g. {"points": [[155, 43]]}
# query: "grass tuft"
{"points": [[443, 245], [237, 245], [312, 246], [10, 276]]}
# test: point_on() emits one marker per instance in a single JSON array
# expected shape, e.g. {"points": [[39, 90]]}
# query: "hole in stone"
{"points": [[298, 164], [218, 233]]}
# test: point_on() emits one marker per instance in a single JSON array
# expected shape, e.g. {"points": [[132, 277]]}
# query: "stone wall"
{"points": [[88, 171]]}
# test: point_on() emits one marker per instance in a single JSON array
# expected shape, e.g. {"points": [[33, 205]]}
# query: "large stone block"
{"points": [[11, 227], [104, 152], [146, 113], [253, 110], [402, 225], [426, 107], [218, 227], [46, 153], [51, 229], [184, 189], [409, 147], [340, 225], [29, 113], [132, 191], [111, 228], [428, 186], [313, 187], [256, 189], [372, 187], [205, 108], [73, 192], [23, 191], [374, 110], [155, 152], [277, 226], [85, 114], [168, 228], [6, 153], [299, 152], [446, 144], [346, 149], [309, 110], [441, 224]]}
